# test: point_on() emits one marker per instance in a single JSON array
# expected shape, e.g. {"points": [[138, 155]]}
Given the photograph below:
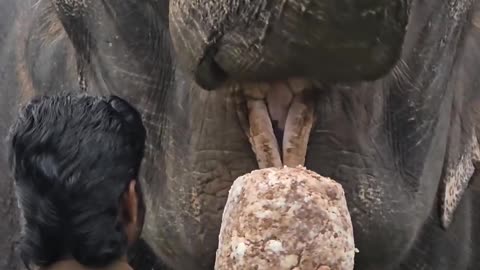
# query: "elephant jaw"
{"points": [[279, 119]]}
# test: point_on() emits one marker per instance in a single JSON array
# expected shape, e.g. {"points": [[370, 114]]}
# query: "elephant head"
{"points": [[374, 94]]}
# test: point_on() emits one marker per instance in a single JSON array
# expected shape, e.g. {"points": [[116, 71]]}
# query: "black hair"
{"points": [[72, 158]]}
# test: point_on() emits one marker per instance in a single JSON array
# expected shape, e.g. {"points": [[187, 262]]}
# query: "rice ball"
{"points": [[285, 218]]}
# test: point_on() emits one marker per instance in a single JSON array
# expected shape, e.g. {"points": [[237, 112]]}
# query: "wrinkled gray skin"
{"points": [[391, 142]]}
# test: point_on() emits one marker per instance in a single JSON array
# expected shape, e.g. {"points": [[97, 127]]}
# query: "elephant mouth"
{"points": [[277, 118]]}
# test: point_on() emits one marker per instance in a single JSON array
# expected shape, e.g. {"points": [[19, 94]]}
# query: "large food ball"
{"points": [[289, 218]]}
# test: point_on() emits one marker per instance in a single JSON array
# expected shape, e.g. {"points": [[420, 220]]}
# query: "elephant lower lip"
{"points": [[279, 119]]}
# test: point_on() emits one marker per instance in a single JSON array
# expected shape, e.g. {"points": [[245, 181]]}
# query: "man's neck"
{"points": [[74, 265]]}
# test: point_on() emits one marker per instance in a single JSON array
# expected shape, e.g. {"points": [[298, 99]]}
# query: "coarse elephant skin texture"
{"points": [[387, 91]]}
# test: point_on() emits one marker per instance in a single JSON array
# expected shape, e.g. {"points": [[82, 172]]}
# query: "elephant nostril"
{"points": [[209, 75]]}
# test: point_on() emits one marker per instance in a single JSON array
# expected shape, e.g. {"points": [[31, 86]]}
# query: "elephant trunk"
{"points": [[265, 40]]}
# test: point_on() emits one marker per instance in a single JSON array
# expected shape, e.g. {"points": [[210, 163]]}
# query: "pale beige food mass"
{"points": [[289, 218]]}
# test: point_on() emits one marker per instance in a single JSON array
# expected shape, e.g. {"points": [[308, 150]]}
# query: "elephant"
{"points": [[379, 95]]}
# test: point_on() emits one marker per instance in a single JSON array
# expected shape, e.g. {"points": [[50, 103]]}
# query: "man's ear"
{"points": [[130, 211]]}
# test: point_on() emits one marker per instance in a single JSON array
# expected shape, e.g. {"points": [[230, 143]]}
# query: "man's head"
{"points": [[75, 161]]}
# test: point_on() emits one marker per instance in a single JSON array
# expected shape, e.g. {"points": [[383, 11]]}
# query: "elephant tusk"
{"points": [[291, 106], [261, 135], [300, 119]]}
